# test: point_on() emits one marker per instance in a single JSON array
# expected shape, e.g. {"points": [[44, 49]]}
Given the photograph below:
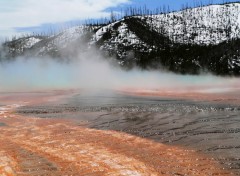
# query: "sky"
{"points": [[19, 17]]}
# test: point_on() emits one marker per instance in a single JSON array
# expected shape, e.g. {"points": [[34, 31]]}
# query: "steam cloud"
{"points": [[91, 72]]}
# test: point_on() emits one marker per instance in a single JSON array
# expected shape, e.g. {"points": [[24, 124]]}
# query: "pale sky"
{"points": [[29, 13], [25, 15]]}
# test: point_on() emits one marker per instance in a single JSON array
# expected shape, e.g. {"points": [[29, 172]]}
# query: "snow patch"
{"points": [[31, 41]]}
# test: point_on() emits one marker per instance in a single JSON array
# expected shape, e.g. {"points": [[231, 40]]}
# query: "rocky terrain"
{"points": [[52, 133]]}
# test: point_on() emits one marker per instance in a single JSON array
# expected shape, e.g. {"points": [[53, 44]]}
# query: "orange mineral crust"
{"points": [[34, 97], [34, 146], [195, 94]]}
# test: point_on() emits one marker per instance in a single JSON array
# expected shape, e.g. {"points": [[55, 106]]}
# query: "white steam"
{"points": [[92, 72]]}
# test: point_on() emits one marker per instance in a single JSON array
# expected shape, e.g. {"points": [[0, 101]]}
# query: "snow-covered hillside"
{"points": [[212, 24], [67, 36], [185, 41], [117, 36], [203, 25], [22, 44]]}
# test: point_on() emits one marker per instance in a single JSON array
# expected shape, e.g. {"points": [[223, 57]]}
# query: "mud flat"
{"points": [[118, 134]]}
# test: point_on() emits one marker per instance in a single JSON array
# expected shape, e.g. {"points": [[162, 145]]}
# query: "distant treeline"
{"points": [[113, 17]]}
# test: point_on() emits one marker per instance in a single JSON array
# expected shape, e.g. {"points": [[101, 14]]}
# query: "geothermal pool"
{"points": [[116, 133]]}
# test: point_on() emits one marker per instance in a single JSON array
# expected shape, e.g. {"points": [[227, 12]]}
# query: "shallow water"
{"points": [[2, 124], [212, 129]]}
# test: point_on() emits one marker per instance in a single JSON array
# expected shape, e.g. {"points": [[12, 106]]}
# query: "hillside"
{"points": [[188, 41]]}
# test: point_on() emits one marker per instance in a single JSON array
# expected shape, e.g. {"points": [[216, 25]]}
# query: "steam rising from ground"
{"points": [[92, 72]]}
